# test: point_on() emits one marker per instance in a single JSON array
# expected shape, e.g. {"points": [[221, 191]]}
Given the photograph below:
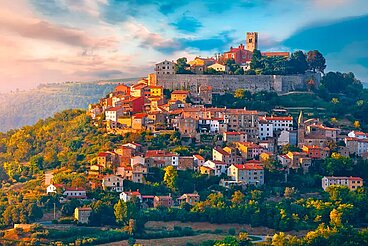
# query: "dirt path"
{"points": [[173, 241]]}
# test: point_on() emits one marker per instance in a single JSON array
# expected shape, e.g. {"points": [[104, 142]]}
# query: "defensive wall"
{"points": [[253, 83]]}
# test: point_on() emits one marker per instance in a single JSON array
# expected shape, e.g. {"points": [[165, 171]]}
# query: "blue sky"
{"points": [[72, 40]]}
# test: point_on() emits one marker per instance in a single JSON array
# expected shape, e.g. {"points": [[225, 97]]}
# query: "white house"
{"points": [[284, 138], [284, 160], [250, 173], [76, 193], [265, 129], [360, 135], [112, 114], [220, 167], [52, 188], [165, 67], [137, 160], [219, 67], [126, 196], [351, 182], [112, 183]]}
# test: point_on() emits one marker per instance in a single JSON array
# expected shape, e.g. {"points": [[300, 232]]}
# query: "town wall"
{"points": [[223, 83]]}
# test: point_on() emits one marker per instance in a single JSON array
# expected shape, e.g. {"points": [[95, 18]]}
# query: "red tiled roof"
{"points": [[140, 115], [248, 166], [74, 189], [218, 162], [180, 92], [155, 153], [349, 178], [285, 118], [234, 133], [104, 154], [85, 209], [221, 151], [199, 157], [286, 54], [114, 109]]}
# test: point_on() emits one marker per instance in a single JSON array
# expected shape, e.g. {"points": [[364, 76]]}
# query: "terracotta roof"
{"points": [[132, 193], [273, 53], [114, 109], [104, 154], [140, 115], [156, 153], [180, 92], [324, 127], [234, 133], [348, 178], [221, 151], [284, 118], [184, 196], [248, 166], [75, 189], [199, 157], [216, 162], [85, 209], [147, 197], [164, 197]]}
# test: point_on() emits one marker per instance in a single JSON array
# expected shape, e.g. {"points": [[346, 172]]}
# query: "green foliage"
{"points": [[170, 177], [48, 145], [316, 61], [182, 67], [298, 63]]}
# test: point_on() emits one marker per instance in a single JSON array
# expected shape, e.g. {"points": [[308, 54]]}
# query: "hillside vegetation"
{"points": [[27, 107]]}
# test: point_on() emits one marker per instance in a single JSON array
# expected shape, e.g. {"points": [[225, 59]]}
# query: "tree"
{"points": [[357, 124], [239, 93], [121, 212], [170, 177], [237, 198], [257, 62], [181, 66], [298, 62], [335, 217], [316, 61], [233, 66]]}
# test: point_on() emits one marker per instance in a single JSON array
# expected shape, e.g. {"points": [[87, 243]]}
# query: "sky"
{"points": [[46, 41]]}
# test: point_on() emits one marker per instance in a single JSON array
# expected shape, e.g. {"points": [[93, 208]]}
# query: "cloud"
{"points": [[187, 24], [39, 29], [343, 42]]}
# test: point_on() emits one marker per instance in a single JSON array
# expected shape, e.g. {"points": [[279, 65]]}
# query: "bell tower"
{"points": [[251, 41]]}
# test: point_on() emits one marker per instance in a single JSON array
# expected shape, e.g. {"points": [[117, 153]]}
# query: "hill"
{"points": [[27, 107]]}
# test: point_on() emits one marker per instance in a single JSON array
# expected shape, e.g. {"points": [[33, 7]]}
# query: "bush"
{"points": [[177, 228], [232, 231], [218, 231]]}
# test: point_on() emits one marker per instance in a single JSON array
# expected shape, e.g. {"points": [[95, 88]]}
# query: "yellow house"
{"points": [[179, 95], [127, 121], [156, 91]]}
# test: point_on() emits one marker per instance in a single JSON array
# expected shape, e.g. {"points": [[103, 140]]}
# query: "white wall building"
{"points": [[220, 167], [265, 129], [165, 67]]}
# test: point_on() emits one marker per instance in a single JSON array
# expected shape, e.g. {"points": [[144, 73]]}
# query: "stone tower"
{"points": [[251, 41], [301, 130]]}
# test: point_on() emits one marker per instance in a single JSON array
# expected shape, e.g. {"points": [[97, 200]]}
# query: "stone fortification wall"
{"points": [[221, 83]]}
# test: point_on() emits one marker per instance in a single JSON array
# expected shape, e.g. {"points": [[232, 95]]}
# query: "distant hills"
{"points": [[27, 107]]}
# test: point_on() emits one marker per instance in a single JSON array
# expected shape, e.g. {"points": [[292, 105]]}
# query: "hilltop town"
{"points": [[181, 145]]}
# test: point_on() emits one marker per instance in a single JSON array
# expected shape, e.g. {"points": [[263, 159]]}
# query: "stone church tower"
{"points": [[301, 130], [251, 41]]}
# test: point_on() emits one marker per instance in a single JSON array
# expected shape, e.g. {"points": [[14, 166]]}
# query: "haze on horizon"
{"points": [[77, 40]]}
